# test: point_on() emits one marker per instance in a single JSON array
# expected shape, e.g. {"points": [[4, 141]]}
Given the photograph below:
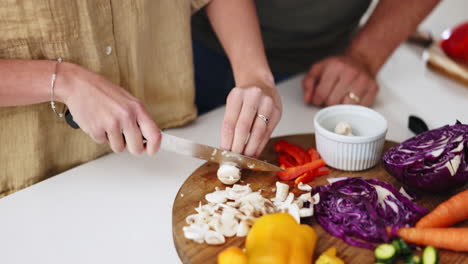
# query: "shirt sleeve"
{"points": [[198, 4]]}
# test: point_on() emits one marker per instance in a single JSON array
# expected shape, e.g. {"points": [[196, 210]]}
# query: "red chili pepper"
{"points": [[292, 150], [308, 177], [294, 172], [305, 178], [286, 160], [306, 155], [322, 171], [314, 155]]}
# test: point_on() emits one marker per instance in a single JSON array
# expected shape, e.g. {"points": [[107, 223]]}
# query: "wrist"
{"points": [[371, 65], [66, 74], [260, 77]]}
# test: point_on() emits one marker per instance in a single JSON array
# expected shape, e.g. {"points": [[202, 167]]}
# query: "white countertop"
{"points": [[117, 209]]}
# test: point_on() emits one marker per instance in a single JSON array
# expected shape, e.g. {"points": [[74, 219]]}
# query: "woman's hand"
{"points": [[339, 80], [106, 112], [252, 114]]}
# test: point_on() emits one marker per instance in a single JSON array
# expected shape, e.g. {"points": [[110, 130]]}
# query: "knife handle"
{"points": [[73, 124], [422, 38], [70, 121]]}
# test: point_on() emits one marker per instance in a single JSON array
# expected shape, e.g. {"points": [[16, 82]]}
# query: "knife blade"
{"points": [[189, 148], [186, 147]]}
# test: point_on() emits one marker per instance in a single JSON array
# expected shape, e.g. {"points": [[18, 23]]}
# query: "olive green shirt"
{"points": [[297, 33], [142, 45]]}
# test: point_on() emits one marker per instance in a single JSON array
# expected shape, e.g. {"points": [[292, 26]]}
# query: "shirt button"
{"points": [[108, 50]]}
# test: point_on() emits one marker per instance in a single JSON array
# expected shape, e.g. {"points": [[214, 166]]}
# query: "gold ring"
{"points": [[354, 97], [264, 118]]}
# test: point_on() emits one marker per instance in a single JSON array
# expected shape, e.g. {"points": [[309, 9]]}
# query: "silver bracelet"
{"points": [[52, 86]]}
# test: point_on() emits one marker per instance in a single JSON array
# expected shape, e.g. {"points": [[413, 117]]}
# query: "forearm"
{"points": [[390, 24], [27, 82], [237, 28]]}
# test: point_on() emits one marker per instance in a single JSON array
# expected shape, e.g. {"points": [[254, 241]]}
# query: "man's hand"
{"points": [[244, 129], [339, 80], [105, 111]]}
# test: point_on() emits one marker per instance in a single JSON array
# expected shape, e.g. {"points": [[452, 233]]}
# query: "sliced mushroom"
{"points": [[228, 223], [316, 198], [195, 232], [237, 191], [214, 238], [242, 229], [247, 209], [306, 212], [233, 211], [281, 191], [215, 222], [293, 210], [228, 173], [216, 197], [304, 187], [192, 219]]}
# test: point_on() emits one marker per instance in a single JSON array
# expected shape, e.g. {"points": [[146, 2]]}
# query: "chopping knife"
{"points": [[189, 148]]}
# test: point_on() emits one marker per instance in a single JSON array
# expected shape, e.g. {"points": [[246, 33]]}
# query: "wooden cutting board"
{"points": [[204, 180]]}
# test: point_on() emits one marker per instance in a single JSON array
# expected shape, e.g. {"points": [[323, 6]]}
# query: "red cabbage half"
{"points": [[436, 160], [358, 211]]}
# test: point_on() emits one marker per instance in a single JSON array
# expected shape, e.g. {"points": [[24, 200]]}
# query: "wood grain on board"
{"points": [[204, 180]]}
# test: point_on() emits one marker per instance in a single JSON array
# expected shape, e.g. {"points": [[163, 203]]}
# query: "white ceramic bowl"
{"points": [[351, 153]]}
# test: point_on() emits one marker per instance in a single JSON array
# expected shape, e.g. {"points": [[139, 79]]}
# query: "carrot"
{"points": [[452, 238], [447, 213]]}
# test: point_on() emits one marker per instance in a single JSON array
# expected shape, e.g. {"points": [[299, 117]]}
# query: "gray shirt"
{"points": [[296, 33]]}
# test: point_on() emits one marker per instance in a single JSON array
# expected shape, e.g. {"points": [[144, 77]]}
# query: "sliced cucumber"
{"points": [[396, 245], [430, 256], [405, 250], [413, 259], [385, 253]]}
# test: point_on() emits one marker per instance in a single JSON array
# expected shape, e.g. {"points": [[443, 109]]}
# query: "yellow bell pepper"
{"points": [[232, 255], [329, 257], [274, 239], [279, 239]]}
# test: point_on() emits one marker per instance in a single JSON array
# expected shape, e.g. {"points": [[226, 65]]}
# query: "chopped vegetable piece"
{"points": [[293, 150], [232, 255], [310, 176], [385, 253], [436, 160], [413, 259], [447, 238], [405, 250], [329, 257], [396, 245], [313, 154], [322, 171], [285, 160], [278, 238], [294, 172], [447, 213], [358, 210], [430, 255], [305, 178]]}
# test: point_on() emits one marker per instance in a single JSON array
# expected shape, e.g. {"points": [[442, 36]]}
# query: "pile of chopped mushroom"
{"points": [[231, 212]]}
